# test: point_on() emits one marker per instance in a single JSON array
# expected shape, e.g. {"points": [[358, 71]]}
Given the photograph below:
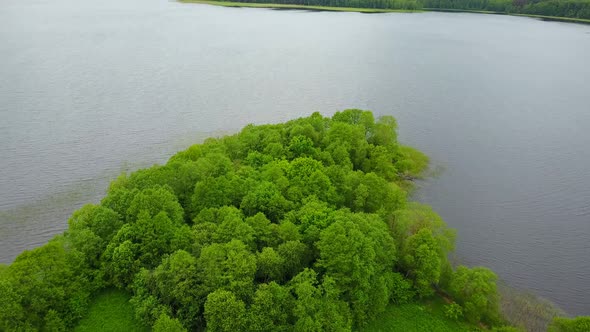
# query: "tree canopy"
{"points": [[579, 9], [298, 226]]}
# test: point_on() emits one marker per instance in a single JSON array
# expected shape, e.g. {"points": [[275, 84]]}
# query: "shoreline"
{"points": [[298, 7], [541, 17], [377, 10]]}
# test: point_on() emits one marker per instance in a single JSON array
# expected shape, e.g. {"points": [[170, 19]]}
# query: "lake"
{"points": [[89, 89]]}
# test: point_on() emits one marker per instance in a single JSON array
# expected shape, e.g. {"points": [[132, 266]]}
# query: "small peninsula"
{"points": [[300, 226]]}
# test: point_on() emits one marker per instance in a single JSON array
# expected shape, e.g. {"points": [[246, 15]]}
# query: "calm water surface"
{"points": [[89, 89]]}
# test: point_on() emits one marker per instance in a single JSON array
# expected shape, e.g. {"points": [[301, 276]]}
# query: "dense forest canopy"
{"points": [[557, 8], [300, 226]]}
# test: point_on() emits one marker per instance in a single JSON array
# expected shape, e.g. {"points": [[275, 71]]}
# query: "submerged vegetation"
{"points": [[300, 226]]}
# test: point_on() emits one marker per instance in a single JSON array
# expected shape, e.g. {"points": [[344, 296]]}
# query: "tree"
{"points": [[302, 146], [153, 201], [306, 178], [167, 324], [271, 308], [211, 193], [43, 279], [224, 312], [294, 255], [424, 241], [414, 217], [317, 307], [177, 284], [228, 266], [266, 198], [54, 323], [270, 265], [384, 132], [102, 221], [475, 290], [142, 244], [356, 251], [11, 311], [350, 136], [422, 261], [233, 227], [262, 230]]}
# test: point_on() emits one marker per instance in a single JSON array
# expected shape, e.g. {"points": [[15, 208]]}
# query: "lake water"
{"points": [[89, 89]]}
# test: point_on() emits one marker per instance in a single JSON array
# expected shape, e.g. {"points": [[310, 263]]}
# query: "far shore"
{"points": [[301, 7], [377, 10]]}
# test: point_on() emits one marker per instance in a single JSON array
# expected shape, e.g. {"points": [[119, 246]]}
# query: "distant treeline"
{"points": [[376, 4], [557, 8]]}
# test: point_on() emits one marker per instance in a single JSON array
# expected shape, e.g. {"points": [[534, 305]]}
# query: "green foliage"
{"points": [[52, 277], [11, 310], [401, 289], [230, 266], [295, 257], [414, 162], [271, 308], [420, 317], [424, 241], [422, 259], [575, 9], [167, 324], [154, 201], [475, 290], [110, 311], [224, 312], [270, 265], [300, 226], [453, 311], [356, 251], [141, 244], [173, 287], [557, 8], [562, 324], [266, 198], [317, 307]]}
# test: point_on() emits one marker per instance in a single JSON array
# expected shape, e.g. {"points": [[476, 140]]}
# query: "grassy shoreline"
{"points": [[302, 7], [542, 17], [376, 10]]}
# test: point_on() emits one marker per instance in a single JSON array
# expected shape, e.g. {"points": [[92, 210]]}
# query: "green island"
{"points": [[575, 11], [300, 226]]}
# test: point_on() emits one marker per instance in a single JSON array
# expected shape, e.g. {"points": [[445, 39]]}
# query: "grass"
{"points": [[303, 7], [110, 311], [427, 316]]}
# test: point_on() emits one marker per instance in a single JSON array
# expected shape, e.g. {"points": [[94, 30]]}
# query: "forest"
{"points": [[300, 226], [557, 8], [577, 9]]}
